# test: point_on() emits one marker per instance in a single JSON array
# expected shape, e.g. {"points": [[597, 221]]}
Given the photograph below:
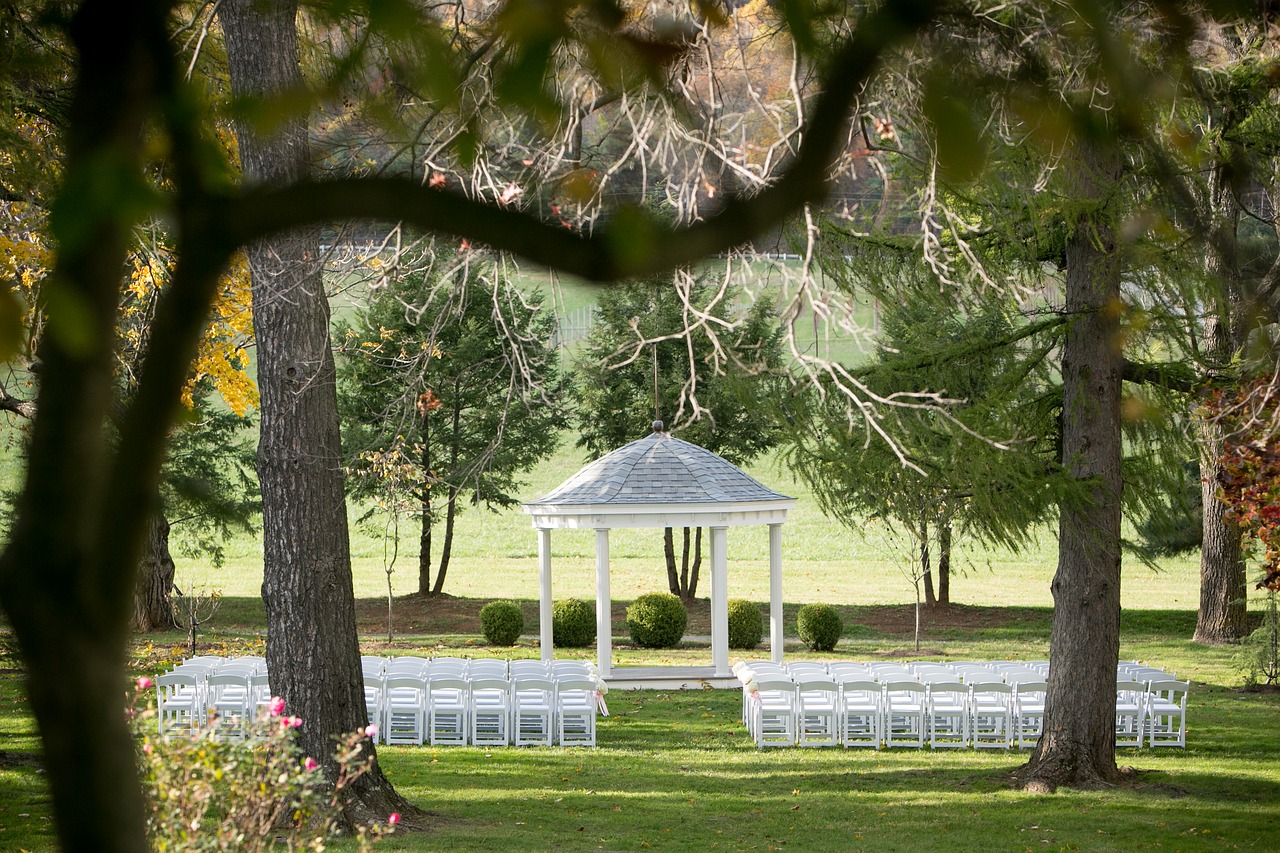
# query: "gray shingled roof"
{"points": [[659, 469]]}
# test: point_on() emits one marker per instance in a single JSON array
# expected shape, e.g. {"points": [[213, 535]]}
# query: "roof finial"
{"points": [[657, 426]]}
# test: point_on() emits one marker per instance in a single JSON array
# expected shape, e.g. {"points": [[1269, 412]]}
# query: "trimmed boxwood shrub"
{"points": [[501, 622], [746, 625], [573, 623], [656, 620], [819, 626]]}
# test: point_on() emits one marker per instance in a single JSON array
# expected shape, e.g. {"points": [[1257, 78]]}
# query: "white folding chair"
{"points": [[1131, 712], [817, 709], [948, 714], [862, 710], [490, 711], [773, 710], [1028, 711], [1167, 712], [228, 700], [991, 714], [404, 709], [448, 709], [904, 713], [575, 711], [374, 695], [532, 710], [179, 707]]}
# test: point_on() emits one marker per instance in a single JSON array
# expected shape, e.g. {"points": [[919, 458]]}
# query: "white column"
{"points": [[544, 593], [720, 601], [604, 606], [775, 592]]}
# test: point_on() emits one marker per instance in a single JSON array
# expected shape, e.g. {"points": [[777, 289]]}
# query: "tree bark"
{"points": [[153, 596], [428, 517], [669, 551], [446, 547], [926, 570], [1078, 745], [944, 562], [313, 652], [696, 568], [1223, 614]]}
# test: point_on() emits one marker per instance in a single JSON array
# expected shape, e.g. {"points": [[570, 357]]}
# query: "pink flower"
{"points": [[310, 763], [371, 731], [291, 722], [144, 682], [277, 706], [394, 818]]}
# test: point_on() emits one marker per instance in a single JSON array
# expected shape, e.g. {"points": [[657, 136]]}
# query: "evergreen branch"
{"points": [[1174, 376]]}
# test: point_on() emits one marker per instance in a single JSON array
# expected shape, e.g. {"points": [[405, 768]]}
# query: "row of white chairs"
{"points": [[441, 708], [790, 706], [231, 691]]}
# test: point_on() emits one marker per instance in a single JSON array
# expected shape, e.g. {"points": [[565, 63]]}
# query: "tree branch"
{"points": [[1172, 375], [632, 244]]}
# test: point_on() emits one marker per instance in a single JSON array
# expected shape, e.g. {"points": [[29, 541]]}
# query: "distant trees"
{"points": [[449, 388], [683, 352], [974, 443]]}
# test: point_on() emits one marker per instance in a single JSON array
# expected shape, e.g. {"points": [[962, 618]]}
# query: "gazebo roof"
{"points": [[646, 482]]}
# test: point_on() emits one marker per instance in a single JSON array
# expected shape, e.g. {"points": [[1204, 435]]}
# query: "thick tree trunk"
{"points": [[153, 596], [1078, 745], [669, 551], [1223, 615], [313, 654]]}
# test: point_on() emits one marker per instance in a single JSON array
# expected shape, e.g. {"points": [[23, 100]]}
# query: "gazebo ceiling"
{"points": [[659, 481]]}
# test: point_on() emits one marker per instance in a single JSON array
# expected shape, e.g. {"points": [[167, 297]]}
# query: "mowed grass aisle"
{"points": [[677, 771]]}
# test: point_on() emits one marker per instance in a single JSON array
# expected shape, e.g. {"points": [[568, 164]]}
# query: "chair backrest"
{"points": [[571, 683], [991, 688], [403, 680], [570, 667], [903, 689], [532, 688], [1171, 690], [176, 679]]}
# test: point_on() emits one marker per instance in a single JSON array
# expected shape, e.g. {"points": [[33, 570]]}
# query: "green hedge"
{"points": [[746, 624], [573, 623], [656, 620], [819, 626], [501, 622]]}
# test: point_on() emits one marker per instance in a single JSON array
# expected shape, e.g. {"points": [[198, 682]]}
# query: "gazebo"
{"points": [[661, 481]]}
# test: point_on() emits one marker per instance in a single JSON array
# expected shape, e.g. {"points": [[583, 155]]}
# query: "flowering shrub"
{"points": [[206, 792]]}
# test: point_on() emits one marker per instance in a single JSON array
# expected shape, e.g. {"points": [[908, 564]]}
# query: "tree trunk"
{"points": [[696, 568], [313, 653], [1223, 615], [152, 598], [428, 519], [446, 547], [669, 550], [944, 562], [1078, 745], [926, 571]]}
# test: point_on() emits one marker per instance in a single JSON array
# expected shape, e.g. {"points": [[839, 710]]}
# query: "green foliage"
{"points": [[502, 622], [573, 623], [656, 620], [448, 387], [1259, 654], [205, 791], [819, 626], [614, 382], [746, 624]]}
